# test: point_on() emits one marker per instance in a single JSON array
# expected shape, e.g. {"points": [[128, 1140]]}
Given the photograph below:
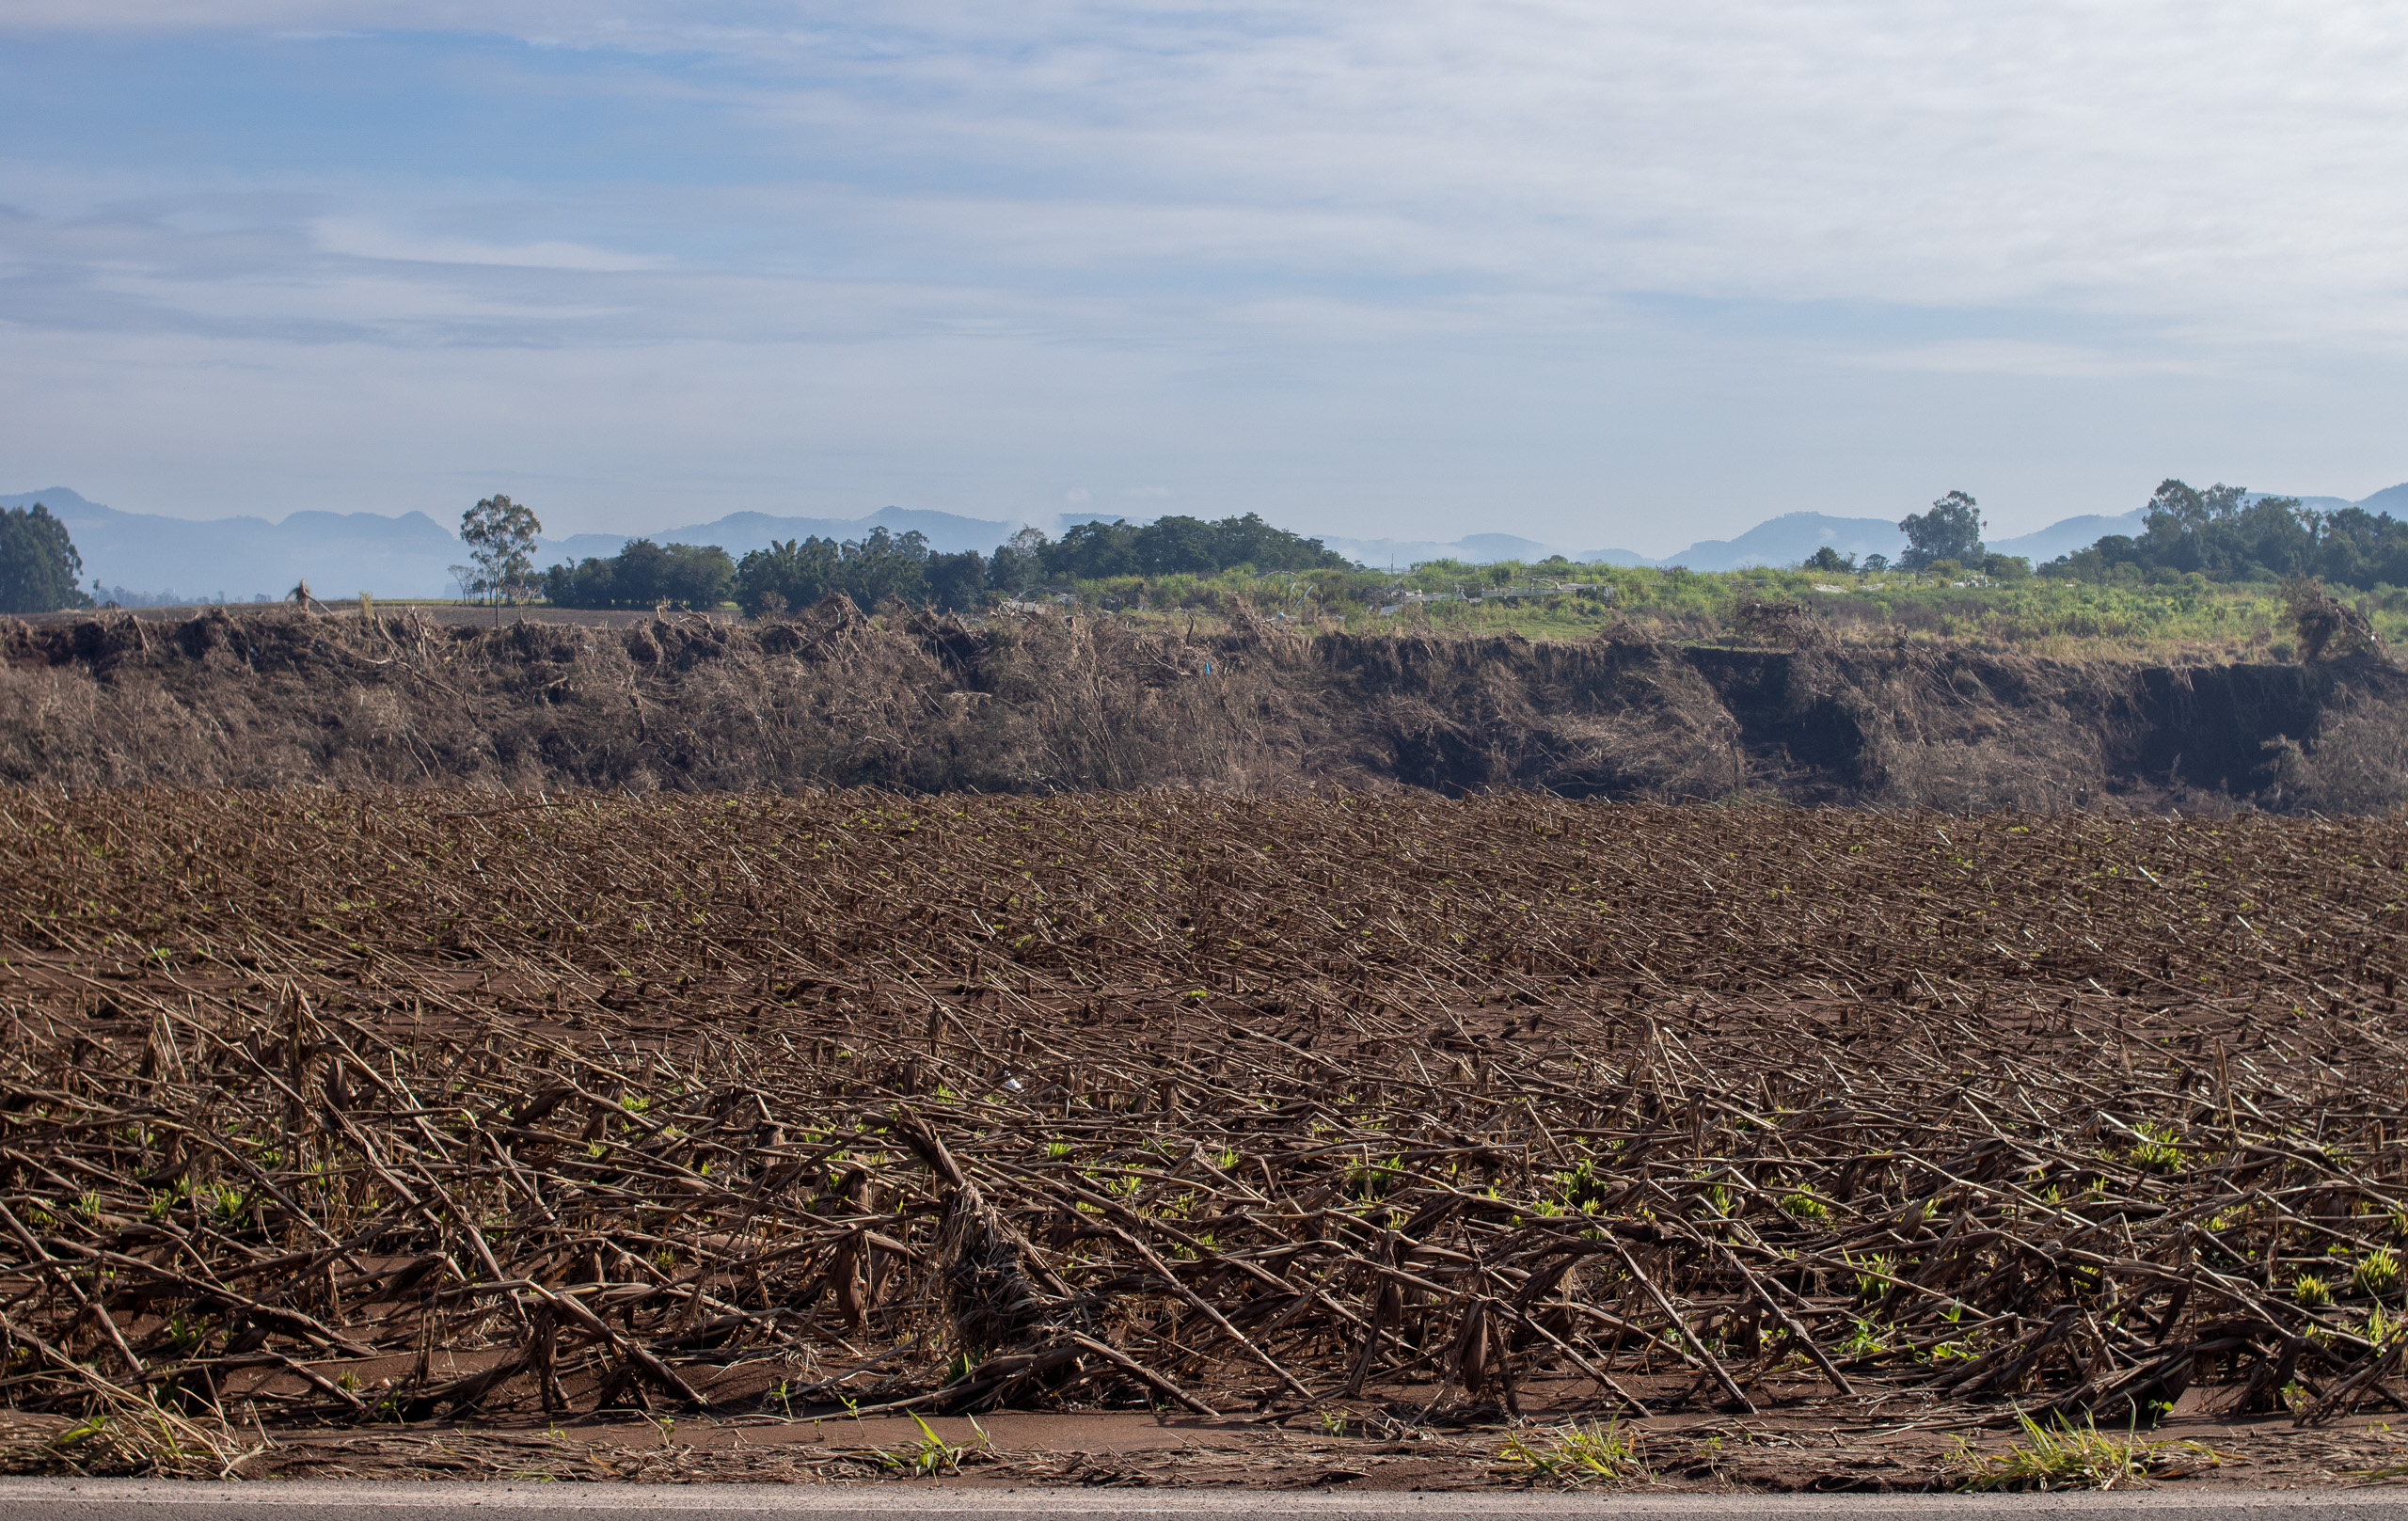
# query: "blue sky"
{"points": [[1598, 274]]}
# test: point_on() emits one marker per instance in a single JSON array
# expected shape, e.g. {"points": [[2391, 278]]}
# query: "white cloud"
{"points": [[361, 239], [2226, 167], [1558, 250]]}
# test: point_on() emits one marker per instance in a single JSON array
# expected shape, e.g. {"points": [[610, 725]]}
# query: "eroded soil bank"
{"points": [[828, 698]]}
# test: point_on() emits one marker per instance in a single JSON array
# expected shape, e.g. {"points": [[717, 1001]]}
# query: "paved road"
{"points": [[88, 1499]]}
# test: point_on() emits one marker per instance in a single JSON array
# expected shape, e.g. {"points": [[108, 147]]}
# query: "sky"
{"points": [[1601, 273]]}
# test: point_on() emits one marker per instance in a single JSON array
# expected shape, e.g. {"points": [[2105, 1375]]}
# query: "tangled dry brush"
{"points": [[1044, 705], [369, 1107]]}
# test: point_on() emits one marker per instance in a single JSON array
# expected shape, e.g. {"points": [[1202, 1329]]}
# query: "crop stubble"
{"points": [[357, 1108]]}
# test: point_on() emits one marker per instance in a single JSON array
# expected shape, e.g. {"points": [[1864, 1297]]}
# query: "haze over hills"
{"points": [[1781, 541], [339, 554], [1473, 549], [740, 533], [237, 559], [234, 559]]}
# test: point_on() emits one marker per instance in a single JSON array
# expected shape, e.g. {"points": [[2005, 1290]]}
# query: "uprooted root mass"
{"points": [[372, 1108]]}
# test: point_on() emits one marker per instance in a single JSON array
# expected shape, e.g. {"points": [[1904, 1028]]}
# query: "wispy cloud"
{"points": [[2043, 361], [360, 239], [1362, 261]]}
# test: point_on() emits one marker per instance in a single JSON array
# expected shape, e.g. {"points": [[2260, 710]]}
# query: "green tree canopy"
{"points": [[644, 575], [1171, 546], [1018, 563], [1951, 531], [798, 573], [2225, 533], [501, 536], [38, 565]]}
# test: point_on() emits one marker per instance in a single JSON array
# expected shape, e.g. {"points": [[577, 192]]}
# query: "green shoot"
{"points": [[2065, 1456], [931, 1454], [1575, 1454], [2379, 1272]]}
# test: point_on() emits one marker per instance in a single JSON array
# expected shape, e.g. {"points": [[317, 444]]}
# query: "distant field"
{"points": [[2181, 620], [454, 1133]]}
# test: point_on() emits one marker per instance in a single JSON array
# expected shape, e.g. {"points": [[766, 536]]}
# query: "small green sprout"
{"points": [[2154, 1150], [2378, 1273], [1573, 1453], [1873, 1283], [931, 1454]]}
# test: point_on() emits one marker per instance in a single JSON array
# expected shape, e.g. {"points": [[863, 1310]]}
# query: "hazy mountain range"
{"points": [[341, 554], [1795, 536]]}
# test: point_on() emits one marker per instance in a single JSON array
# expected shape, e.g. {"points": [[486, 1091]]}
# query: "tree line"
{"points": [[797, 573], [2221, 532], [40, 569], [1945, 541], [2224, 535]]}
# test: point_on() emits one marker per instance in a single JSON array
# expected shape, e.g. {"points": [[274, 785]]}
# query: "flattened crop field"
{"points": [[330, 1118]]}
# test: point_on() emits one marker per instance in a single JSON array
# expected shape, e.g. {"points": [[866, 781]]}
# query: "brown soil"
{"points": [[384, 1131], [1813, 1449]]}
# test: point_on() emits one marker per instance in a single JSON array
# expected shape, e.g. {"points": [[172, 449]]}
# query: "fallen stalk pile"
{"points": [[328, 1107]]}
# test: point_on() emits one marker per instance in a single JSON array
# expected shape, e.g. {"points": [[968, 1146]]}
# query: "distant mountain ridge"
{"points": [[1779, 541], [235, 559], [1473, 549], [740, 533], [341, 554], [1795, 536]]}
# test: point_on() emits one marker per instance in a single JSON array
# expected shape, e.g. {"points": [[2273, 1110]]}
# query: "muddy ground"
{"points": [[1815, 1449]]}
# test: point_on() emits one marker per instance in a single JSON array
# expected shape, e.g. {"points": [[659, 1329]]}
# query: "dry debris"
{"points": [[348, 1110]]}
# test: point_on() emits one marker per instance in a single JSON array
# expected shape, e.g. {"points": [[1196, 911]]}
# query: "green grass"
{"points": [[2065, 1456], [1575, 1454], [2175, 619], [930, 1454]]}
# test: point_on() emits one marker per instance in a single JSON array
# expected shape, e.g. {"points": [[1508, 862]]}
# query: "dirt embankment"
{"points": [[918, 702]]}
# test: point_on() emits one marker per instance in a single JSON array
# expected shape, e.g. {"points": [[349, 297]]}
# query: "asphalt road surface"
{"points": [[62, 1500]]}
